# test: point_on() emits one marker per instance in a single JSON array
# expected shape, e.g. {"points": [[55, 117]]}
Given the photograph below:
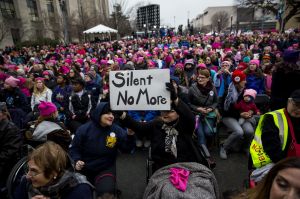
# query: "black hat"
{"points": [[296, 96], [78, 81]]}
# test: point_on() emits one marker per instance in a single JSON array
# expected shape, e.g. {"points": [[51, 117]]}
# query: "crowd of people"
{"points": [[61, 94]]}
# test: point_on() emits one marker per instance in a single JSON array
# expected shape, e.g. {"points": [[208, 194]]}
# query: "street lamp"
{"points": [[219, 28], [231, 23], [145, 27], [154, 27]]}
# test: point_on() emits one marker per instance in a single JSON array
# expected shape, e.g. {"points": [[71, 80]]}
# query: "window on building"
{"points": [[33, 11], [7, 8], [50, 6]]}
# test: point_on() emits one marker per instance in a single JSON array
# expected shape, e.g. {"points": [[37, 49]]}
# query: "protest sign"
{"points": [[139, 89]]}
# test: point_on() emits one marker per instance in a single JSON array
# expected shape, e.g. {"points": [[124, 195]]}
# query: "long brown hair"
{"points": [[262, 190]]}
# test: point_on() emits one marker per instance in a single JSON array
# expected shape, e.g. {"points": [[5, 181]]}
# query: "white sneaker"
{"points": [[147, 143], [223, 153], [139, 143]]}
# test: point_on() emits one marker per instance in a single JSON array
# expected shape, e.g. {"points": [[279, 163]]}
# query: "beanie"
{"points": [[238, 76], [246, 59], [250, 92], [46, 108], [11, 81], [189, 61], [201, 66], [254, 61]]}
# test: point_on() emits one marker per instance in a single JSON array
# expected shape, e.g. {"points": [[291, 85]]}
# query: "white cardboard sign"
{"points": [[139, 89]]}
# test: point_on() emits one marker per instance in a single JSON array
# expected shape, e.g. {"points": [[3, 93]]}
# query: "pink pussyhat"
{"points": [[46, 108], [179, 178]]}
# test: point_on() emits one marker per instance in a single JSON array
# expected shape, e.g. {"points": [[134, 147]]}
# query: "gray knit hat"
{"points": [[202, 183]]}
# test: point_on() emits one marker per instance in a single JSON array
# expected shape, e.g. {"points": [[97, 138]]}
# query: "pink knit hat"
{"points": [[254, 61], [250, 92], [11, 81], [201, 66], [46, 108]]}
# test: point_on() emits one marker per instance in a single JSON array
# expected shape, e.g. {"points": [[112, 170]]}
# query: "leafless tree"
{"points": [[286, 9], [220, 20]]}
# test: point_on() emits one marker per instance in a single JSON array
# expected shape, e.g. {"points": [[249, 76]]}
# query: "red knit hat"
{"points": [[238, 76]]}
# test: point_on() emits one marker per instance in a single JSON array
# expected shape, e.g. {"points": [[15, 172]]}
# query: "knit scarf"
{"points": [[171, 138], [68, 181]]}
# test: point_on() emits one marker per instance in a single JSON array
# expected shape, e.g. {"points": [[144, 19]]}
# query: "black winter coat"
{"points": [[153, 129], [10, 143], [80, 106], [15, 99]]}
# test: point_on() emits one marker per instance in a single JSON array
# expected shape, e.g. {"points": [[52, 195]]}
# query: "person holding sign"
{"points": [[95, 147], [170, 134]]}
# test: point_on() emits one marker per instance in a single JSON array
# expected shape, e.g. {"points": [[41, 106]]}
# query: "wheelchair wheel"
{"points": [[15, 176]]}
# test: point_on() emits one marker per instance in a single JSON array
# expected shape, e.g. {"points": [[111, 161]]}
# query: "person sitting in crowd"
{"points": [[276, 137], [60, 93], [222, 79], [50, 175], [91, 87], [248, 105], [78, 105], [170, 134], [95, 147], [49, 79], [255, 77], [203, 102], [15, 100], [47, 127], [40, 93], [232, 115], [10, 143]]}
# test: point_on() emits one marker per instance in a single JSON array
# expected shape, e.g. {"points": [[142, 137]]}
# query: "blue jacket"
{"points": [[256, 83], [93, 143]]}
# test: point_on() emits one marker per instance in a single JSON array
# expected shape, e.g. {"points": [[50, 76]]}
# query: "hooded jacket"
{"points": [[96, 145]]}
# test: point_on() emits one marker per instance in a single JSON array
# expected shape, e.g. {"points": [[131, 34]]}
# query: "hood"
{"points": [[96, 114]]}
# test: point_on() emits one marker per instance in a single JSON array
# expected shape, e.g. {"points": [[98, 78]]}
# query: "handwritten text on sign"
{"points": [[139, 90]]}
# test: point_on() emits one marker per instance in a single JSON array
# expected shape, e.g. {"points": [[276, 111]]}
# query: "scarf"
{"points": [[231, 97], [68, 181], [171, 138]]}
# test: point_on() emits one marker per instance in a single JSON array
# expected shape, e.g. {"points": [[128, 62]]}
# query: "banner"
{"points": [[139, 89]]}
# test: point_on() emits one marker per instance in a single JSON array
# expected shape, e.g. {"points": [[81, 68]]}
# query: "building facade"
{"points": [[238, 19], [23, 20]]}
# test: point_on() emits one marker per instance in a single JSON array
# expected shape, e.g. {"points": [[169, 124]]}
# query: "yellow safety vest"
{"points": [[258, 155]]}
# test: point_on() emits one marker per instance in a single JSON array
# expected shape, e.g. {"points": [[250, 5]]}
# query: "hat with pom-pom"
{"points": [[238, 76]]}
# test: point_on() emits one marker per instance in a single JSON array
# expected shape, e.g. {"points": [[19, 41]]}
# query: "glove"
{"points": [[173, 92]]}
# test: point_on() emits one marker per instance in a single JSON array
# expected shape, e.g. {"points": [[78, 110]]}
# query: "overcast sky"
{"points": [[181, 9]]}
